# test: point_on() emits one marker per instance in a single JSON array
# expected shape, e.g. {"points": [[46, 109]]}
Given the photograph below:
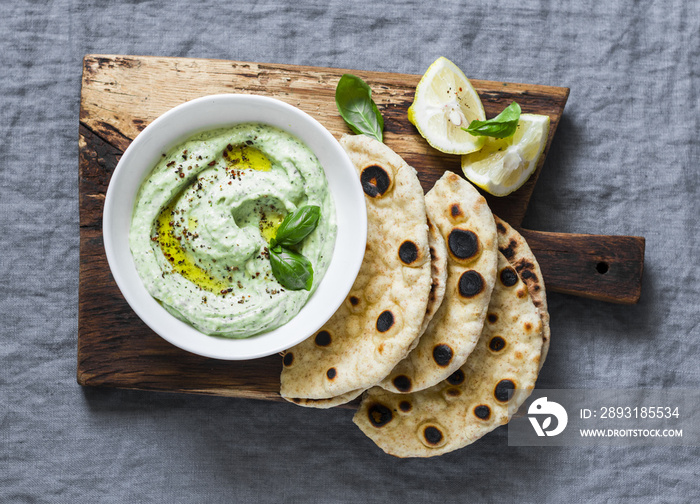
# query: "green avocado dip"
{"points": [[203, 220]]}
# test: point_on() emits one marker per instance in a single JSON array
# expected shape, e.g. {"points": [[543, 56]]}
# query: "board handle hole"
{"points": [[602, 267]]}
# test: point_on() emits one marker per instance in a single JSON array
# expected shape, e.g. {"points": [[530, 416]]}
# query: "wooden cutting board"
{"points": [[121, 95]]}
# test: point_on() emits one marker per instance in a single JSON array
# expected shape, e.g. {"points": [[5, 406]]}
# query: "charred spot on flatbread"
{"points": [[456, 210], [524, 264], [288, 359], [376, 181], [432, 435], [463, 244], [471, 283], [526, 270], [492, 318], [379, 415], [405, 406], [509, 251], [508, 276], [385, 321], [482, 411], [431, 296], [323, 338], [526, 274], [402, 383], [408, 252], [503, 390], [442, 354], [331, 373], [354, 300], [456, 378], [497, 344]]}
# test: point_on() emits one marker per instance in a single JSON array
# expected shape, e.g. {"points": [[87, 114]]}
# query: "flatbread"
{"points": [[438, 273], [514, 247], [382, 316], [467, 225], [331, 402], [481, 395]]}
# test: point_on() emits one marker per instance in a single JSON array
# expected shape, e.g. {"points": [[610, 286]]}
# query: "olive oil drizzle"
{"points": [[246, 157], [180, 259]]}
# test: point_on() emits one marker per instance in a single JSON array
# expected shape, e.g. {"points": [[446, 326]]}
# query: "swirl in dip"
{"points": [[204, 218]]}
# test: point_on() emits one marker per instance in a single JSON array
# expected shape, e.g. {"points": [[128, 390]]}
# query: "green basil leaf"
{"points": [[353, 97], [501, 126], [296, 226], [292, 270]]}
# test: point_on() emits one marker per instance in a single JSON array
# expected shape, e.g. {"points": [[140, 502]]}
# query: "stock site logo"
{"points": [[547, 409]]}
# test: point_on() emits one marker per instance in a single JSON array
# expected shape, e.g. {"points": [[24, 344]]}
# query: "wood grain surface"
{"points": [[121, 95]]}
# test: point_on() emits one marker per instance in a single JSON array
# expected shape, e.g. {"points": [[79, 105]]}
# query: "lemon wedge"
{"points": [[444, 103], [504, 164]]}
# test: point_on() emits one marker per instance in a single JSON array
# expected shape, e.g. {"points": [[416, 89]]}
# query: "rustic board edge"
{"points": [[400, 78]]}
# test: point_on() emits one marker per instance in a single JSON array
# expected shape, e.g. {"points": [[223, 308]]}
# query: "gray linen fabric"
{"points": [[625, 160]]}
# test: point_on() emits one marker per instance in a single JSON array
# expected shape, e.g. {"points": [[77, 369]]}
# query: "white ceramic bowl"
{"points": [[216, 111]]}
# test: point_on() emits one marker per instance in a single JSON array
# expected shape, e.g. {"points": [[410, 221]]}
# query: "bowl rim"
{"points": [[153, 314]]}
